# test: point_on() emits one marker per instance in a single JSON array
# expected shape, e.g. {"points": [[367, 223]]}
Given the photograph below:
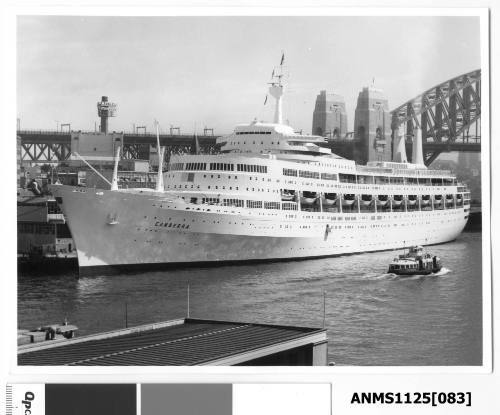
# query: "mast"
{"points": [[114, 181], [276, 90]]}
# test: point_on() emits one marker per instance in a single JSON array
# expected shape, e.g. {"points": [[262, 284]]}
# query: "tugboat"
{"points": [[415, 262]]}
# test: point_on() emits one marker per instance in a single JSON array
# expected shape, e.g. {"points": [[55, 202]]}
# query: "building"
{"points": [[372, 127], [185, 342], [98, 148], [329, 116], [42, 229]]}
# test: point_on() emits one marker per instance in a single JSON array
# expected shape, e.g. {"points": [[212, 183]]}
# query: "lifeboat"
{"points": [[382, 200], [288, 195], [438, 199], [459, 197], [397, 199], [366, 199], [349, 199], [330, 199], [426, 199], [412, 199], [308, 198]]}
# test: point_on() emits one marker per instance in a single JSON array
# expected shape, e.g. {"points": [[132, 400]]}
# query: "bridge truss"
{"points": [[55, 146], [45, 146], [449, 115]]}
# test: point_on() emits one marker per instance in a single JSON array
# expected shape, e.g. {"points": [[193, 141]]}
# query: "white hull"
{"points": [[147, 229]]}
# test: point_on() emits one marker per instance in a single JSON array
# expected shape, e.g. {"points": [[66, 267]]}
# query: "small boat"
{"points": [[366, 200], [330, 198], [412, 199], [415, 262], [288, 195], [112, 219], [382, 200], [308, 198], [349, 199], [397, 200]]}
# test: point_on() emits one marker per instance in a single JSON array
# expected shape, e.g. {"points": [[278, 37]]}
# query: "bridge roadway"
{"points": [[56, 146], [58, 137], [39, 145]]}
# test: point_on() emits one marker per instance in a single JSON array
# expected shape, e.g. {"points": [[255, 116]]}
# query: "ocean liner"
{"points": [[271, 194]]}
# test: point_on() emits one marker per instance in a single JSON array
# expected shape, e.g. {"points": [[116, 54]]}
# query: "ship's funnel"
{"points": [[276, 90], [417, 151], [114, 181], [400, 149]]}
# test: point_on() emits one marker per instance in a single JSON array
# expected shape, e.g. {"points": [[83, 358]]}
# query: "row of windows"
{"points": [[254, 204], [253, 132], [347, 178], [309, 174], [342, 177], [252, 168], [329, 176], [288, 206], [196, 166], [210, 200], [412, 266], [222, 166], [412, 181], [271, 205], [176, 166], [349, 203], [365, 179], [233, 202]]}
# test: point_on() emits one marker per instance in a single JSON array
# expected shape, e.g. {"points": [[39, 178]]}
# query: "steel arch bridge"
{"points": [[449, 115]]}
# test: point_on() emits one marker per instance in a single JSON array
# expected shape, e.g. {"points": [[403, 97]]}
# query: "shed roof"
{"points": [[181, 342]]}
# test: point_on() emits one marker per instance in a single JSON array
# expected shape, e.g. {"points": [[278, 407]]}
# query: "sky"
{"points": [[192, 72]]}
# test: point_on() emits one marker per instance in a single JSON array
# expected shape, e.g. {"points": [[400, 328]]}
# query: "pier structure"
{"points": [[186, 342], [329, 116]]}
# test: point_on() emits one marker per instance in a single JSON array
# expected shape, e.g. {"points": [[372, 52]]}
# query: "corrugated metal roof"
{"points": [[193, 343]]}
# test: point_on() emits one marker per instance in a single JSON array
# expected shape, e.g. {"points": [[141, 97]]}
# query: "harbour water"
{"points": [[373, 318]]}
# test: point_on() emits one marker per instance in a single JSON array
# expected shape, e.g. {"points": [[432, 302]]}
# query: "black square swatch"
{"points": [[90, 399]]}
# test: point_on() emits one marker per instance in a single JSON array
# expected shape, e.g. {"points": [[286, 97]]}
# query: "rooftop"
{"points": [[179, 342]]}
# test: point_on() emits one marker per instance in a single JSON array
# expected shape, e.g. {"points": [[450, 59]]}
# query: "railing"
{"points": [[44, 132], [58, 132]]}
